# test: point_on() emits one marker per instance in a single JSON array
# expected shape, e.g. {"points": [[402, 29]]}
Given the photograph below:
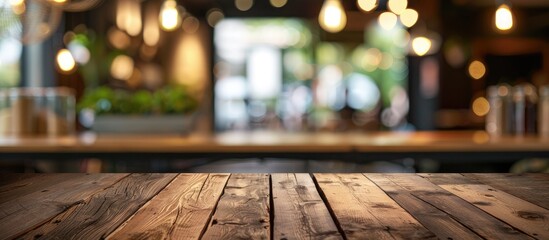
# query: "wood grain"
{"points": [[439, 222], [467, 214], [101, 214], [243, 210], [30, 183], [29, 211], [530, 187], [365, 212], [299, 212], [528, 217], [181, 211]]}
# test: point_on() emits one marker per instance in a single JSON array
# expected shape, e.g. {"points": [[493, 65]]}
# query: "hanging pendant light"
{"points": [[504, 18], [169, 15], [332, 16]]}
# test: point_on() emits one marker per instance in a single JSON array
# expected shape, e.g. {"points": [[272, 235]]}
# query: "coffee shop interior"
{"points": [[274, 86]]}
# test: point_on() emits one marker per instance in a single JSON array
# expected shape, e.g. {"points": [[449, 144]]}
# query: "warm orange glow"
{"points": [[477, 69], [367, 5], [387, 20], [332, 17], [421, 45], [65, 61], [481, 106], [122, 67], [169, 16], [409, 17], [504, 18], [397, 6]]}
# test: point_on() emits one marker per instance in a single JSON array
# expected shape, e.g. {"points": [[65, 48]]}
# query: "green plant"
{"points": [[168, 100]]}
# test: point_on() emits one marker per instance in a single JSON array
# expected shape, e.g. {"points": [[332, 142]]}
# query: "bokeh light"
{"points": [[367, 5], [332, 17], [421, 45], [65, 61], [243, 5], [278, 3], [397, 6], [122, 67], [504, 18], [477, 69], [481, 106], [409, 17], [387, 20]]}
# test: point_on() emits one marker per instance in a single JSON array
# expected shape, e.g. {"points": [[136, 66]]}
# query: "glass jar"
{"points": [[37, 111], [543, 112], [495, 117]]}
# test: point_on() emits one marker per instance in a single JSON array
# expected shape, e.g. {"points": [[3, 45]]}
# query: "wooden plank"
{"points": [[243, 209], [299, 212], [533, 188], [448, 178], [29, 183], [439, 222], [181, 211], [365, 212], [527, 217], [8, 178], [103, 212], [22, 214], [462, 211]]}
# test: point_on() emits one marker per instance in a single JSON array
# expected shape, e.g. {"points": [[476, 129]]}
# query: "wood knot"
{"points": [[530, 215]]}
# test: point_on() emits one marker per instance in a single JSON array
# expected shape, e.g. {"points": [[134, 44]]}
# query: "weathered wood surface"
{"points": [[31, 210], [365, 212], [96, 217], [466, 213], [530, 187], [299, 211], [277, 206], [181, 211], [243, 211], [436, 220]]}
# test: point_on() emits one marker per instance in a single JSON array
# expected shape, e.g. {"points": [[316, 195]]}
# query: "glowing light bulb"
{"points": [[65, 61], [169, 16], [504, 18], [367, 5], [409, 17], [421, 45], [387, 20], [332, 17], [397, 6]]}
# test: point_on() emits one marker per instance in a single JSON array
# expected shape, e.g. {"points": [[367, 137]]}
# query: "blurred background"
{"points": [[282, 65]]}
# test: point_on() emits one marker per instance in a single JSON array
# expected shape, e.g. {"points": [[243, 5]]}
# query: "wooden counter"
{"points": [[258, 144], [274, 206]]}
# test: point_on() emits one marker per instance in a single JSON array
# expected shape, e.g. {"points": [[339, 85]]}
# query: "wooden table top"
{"points": [[461, 141], [274, 206]]}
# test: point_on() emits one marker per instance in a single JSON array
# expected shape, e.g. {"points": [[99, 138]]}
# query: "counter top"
{"points": [[462, 141], [274, 206]]}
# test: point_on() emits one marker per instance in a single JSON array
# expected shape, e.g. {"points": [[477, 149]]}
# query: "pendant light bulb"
{"points": [[504, 18], [332, 16], [169, 16]]}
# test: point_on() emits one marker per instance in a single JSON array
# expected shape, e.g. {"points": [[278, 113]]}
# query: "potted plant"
{"points": [[167, 110]]}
